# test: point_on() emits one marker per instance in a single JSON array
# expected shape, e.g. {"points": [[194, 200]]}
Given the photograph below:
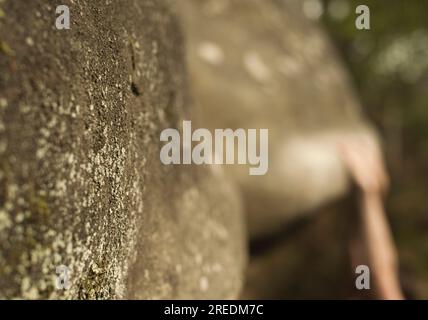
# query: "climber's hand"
{"points": [[363, 158]]}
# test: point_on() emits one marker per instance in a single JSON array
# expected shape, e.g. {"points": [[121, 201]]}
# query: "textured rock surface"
{"points": [[263, 64], [81, 184]]}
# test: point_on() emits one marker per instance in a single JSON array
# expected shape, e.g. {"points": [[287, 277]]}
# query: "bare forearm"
{"points": [[380, 247]]}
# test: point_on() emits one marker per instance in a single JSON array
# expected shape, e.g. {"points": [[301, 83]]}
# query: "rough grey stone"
{"points": [[81, 183]]}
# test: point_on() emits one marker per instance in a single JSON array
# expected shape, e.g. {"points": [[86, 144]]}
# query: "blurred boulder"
{"points": [[264, 64], [81, 184]]}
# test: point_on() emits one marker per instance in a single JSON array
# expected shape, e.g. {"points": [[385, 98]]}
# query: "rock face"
{"points": [[263, 64], [81, 183]]}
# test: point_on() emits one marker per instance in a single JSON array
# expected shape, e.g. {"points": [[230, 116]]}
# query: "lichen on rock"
{"points": [[81, 183]]}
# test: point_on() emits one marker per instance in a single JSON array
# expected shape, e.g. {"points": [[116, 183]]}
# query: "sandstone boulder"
{"points": [[263, 64], [81, 184]]}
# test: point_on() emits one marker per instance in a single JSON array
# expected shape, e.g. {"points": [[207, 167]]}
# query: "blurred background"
{"points": [[389, 66]]}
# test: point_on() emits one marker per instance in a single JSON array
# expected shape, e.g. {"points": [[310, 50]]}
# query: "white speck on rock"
{"points": [[29, 41], [256, 67], [3, 103], [203, 284], [211, 53], [313, 9], [4, 220], [289, 66]]}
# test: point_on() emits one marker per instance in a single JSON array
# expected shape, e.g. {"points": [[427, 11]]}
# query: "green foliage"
{"points": [[389, 65]]}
